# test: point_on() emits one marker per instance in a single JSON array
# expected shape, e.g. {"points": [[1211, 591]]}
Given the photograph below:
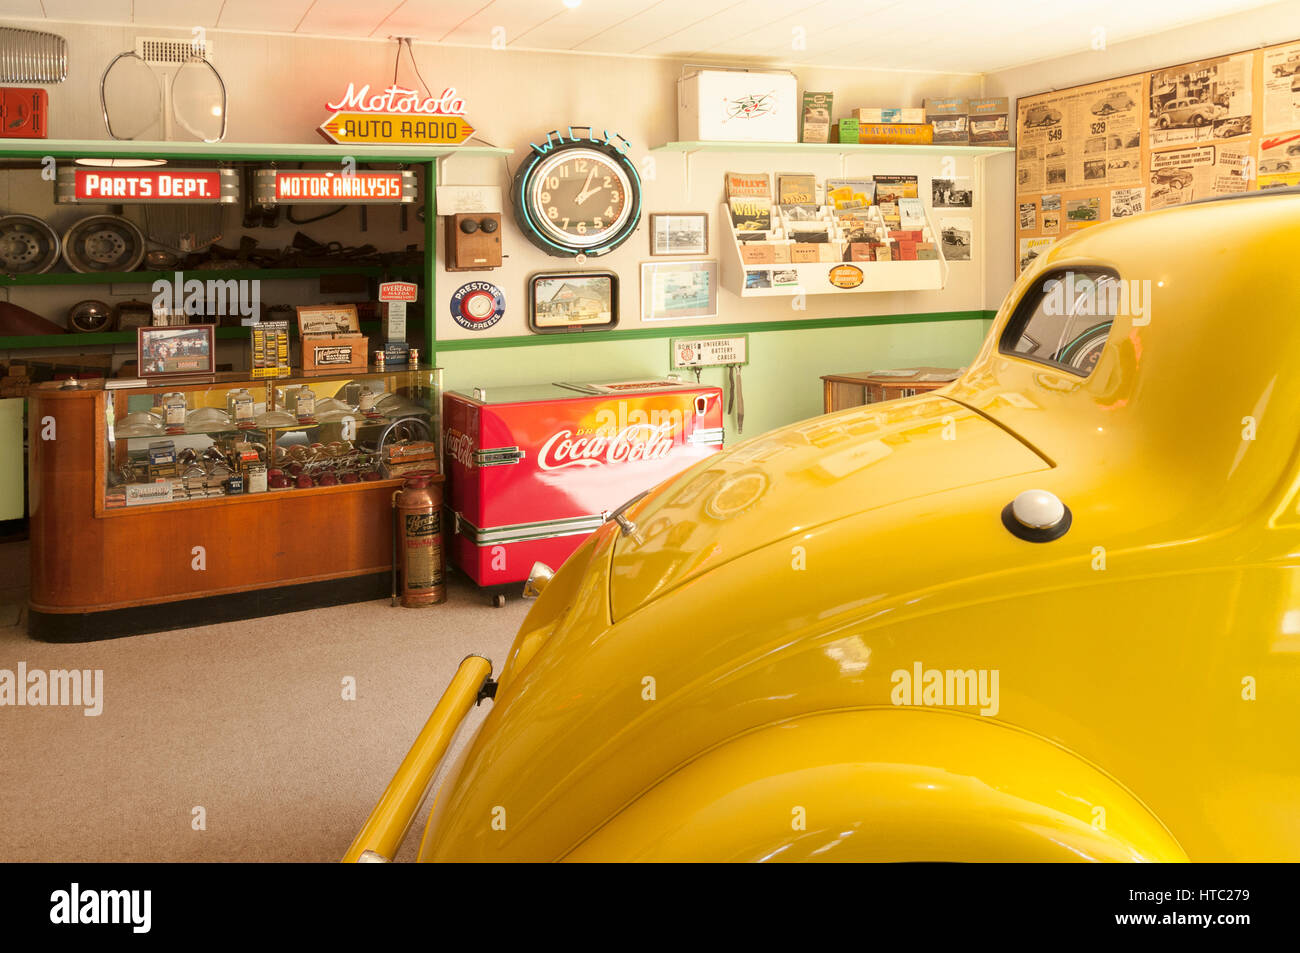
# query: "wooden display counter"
{"points": [[101, 572]]}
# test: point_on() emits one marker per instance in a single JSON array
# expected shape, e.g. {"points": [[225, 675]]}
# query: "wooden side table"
{"points": [[841, 391]]}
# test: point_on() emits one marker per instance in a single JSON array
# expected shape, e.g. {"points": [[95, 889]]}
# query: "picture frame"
{"points": [[679, 290], [565, 302], [679, 233], [183, 350]]}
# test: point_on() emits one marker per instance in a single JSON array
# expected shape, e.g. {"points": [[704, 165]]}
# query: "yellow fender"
{"points": [[884, 785]]}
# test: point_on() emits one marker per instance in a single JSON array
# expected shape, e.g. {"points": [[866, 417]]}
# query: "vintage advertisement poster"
{"points": [[1279, 160], [1080, 213], [1080, 138], [1126, 202], [1201, 101], [1196, 172], [1031, 248], [1028, 215], [1156, 139], [1281, 88]]}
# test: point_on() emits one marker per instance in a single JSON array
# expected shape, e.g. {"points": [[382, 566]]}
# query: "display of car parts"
{"points": [[31, 56], [90, 316], [28, 246], [103, 243], [133, 91]]}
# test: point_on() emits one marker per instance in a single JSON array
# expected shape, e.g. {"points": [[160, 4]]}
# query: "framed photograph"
{"points": [[679, 233], [180, 351], [677, 290], [573, 301]]}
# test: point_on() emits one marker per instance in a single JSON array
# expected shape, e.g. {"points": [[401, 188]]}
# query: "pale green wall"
{"points": [[781, 384]]}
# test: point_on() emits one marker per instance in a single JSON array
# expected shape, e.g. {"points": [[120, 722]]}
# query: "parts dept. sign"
{"points": [[146, 186]]}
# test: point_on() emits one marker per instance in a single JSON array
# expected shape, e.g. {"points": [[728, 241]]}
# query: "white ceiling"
{"points": [[960, 36]]}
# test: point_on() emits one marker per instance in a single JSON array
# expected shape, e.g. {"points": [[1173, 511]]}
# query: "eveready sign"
{"points": [[331, 185], [180, 185]]}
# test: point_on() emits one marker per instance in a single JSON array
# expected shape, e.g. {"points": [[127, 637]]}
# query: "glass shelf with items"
{"points": [[227, 437]]}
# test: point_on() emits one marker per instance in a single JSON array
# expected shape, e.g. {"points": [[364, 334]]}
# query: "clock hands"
{"points": [[587, 193]]}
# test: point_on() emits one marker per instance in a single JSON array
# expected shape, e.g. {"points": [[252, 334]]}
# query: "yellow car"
{"points": [[1049, 612]]}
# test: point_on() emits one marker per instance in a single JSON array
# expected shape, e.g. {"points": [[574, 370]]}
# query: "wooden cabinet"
{"points": [[841, 391]]}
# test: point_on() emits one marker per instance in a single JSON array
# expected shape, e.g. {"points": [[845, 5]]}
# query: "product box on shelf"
{"points": [[989, 125], [331, 338], [948, 119], [738, 106], [816, 126], [893, 133], [907, 115]]}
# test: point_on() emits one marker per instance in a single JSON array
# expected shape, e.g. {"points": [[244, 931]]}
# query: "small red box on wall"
{"points": [[24, 113]]}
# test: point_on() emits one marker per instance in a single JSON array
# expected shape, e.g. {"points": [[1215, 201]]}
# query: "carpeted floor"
{"points": [[245, 720]]}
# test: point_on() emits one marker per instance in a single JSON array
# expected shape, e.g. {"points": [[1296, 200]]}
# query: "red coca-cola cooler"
{"points": [[532, 471]]}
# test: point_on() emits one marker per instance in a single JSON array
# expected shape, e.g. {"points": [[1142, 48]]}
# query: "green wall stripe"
{"points": [[710, 330]]}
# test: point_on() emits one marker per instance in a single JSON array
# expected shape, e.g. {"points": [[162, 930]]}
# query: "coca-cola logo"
{"points": [[633, 443], [461, 448]]}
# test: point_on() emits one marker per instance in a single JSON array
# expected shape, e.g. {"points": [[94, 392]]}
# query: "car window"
{"points": [[1064, 319]]}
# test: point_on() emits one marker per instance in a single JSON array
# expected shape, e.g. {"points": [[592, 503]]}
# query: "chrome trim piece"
{"points": [[498, 456], [526, 532], [712, 435]]}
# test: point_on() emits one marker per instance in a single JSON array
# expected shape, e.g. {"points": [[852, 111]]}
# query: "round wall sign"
{"points": [[478, 305], [846, 276]]}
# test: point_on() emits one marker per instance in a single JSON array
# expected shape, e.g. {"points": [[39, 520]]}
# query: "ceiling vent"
{"points": [[170, 51]]}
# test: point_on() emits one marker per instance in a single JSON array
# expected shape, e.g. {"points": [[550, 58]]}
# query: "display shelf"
{"points": [[74, 339], [814, 277], [833, 148], [282, 151], [147, 276], [842, 150]]}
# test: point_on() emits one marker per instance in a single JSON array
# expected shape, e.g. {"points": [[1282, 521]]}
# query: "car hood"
{"points": [[799, 477]]}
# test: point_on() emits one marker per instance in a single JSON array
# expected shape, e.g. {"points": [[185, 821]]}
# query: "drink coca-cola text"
{"points": [[631, 444]]}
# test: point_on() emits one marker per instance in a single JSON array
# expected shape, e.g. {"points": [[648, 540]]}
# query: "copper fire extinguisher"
{"points": [[417, 541]]}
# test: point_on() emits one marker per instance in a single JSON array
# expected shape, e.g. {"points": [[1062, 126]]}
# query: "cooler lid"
{"points": [[532, 393]]}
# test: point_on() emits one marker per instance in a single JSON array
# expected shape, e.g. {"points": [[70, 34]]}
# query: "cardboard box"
{"points": [[948, 119], [910, 115], [738, 106], [757, 253], [816, 124], [989, 122], [896, 134], [848, 130], [331, 338], [325, 352]]}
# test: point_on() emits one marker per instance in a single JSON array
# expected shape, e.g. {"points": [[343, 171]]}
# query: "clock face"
{"points": [[579, 198]]}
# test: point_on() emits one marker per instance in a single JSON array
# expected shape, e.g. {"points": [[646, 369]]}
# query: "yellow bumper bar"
{"points": [[388, 823]]}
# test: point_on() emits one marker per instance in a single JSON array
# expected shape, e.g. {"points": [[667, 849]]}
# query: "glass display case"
{"points": [[231, 436]]}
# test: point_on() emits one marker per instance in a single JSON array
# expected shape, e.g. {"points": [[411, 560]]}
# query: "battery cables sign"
{"points": [[396, 116]]}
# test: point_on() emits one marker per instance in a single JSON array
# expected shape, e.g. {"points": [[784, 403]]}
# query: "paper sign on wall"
{"points": [[709, 352]]}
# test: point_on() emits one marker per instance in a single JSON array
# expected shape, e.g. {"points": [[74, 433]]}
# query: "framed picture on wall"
{"points": [[677, 290], [573, 301], [679, 233], [178, 351]]}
